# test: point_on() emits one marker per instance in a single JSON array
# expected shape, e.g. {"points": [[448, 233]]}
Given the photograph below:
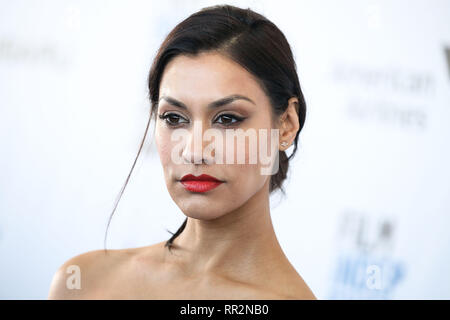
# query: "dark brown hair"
{"points": [[252, 41]]}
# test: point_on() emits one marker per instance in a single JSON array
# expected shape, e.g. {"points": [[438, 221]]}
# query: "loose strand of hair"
{"points": [[126, 182]]}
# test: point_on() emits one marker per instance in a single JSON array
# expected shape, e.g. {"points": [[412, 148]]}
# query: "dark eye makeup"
{"points": [[224, 119]]}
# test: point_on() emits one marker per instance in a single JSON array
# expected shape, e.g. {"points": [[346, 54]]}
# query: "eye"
{"points": [[228, 119], [172, 119]]}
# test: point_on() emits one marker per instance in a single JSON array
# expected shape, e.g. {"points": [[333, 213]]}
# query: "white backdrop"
{"points": [[367, 210]]}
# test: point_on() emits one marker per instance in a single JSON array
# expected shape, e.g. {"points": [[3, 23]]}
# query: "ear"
{"points": [[289, 124]]}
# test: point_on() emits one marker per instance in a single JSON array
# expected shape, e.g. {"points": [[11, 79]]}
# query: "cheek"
{"points": [[249, 177], [164, 146], [244, 182]]}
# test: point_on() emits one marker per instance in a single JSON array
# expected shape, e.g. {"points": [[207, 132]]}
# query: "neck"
{"points": [[241, 242]]}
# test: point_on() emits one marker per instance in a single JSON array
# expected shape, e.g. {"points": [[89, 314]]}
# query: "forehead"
{"points": [[206, 77]]}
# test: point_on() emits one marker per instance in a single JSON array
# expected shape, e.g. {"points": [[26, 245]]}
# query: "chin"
{"points": [[200, 208], [202, 214]]}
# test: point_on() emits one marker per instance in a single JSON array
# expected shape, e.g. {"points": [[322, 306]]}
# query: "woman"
{"points": [[222, 69]]}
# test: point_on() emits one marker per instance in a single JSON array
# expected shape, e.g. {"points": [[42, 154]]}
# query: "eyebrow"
{"points": [[215, 104]]}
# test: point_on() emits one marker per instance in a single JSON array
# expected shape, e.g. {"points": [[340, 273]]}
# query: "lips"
{"points": [[201, 183]]}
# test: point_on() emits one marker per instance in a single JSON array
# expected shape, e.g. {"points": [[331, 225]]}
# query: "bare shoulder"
{"points": [[299, 290], [303, 293], [83, 275], [289, 285]]}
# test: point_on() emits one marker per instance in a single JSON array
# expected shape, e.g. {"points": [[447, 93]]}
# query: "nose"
{"points": [[193, 150]]}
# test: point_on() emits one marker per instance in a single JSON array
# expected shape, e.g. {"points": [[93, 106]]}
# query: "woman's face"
{"points": [[188, 87]]}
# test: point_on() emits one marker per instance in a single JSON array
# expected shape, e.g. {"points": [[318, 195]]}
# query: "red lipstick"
{"points": [[201, 183]]}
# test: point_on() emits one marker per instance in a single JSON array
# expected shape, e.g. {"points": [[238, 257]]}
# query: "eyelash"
{"points": [[237, 119]]}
